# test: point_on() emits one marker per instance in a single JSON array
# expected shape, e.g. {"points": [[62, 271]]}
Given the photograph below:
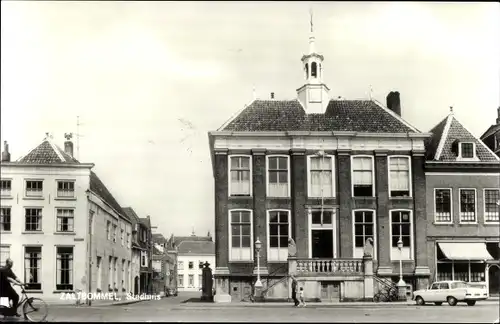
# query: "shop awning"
{"points": [[465, 251]]}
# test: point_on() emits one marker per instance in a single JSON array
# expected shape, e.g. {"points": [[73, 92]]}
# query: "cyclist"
{"points": [[7, 277]]}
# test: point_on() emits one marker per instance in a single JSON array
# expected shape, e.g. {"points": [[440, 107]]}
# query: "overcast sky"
{"points": [[150, 79]]}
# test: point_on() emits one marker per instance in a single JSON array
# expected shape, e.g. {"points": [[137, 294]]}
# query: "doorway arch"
{"points": [[493, 283]]}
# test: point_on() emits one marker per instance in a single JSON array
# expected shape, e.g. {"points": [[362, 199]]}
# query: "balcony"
{"points": [[320, 267]]}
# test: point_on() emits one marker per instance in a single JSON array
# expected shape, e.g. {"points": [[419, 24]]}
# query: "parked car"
{"points": [[451, 292]]}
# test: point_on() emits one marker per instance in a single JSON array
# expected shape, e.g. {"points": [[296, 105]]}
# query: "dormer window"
{"points": [[467, 150]]}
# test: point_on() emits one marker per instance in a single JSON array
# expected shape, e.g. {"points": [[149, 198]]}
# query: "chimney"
{"points": [[394, 102], [68, 145], [5, 153], [272, 95], [498, 116]]}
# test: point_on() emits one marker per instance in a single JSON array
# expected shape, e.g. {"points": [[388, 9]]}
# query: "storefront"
{"points": [[468, 261]]}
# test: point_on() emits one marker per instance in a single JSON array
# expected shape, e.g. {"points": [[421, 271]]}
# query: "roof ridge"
{"points": [[233, 117], [478, 140], [56, 149], [444, 136], [34, 148]]}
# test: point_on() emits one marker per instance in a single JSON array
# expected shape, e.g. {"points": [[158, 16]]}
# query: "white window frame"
{"points": [[40, 219], [373, 173], [3, 248], [309, 178], [73, 281], [451, 206], [191, 281], [39, 268], [229, 245], [474, 156], [410, 178], [229, 174], [57, 209], [484, 206], [460, 206], [63, 196], [180, 283], [288, 174], [37, 196], [5, 207], [412, 238], [331, 227], [6, 192], [268, 233], [180, 265], [374, 231]]}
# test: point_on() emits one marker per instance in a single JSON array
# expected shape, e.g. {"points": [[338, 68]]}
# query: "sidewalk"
{"points": [[95, 303]]}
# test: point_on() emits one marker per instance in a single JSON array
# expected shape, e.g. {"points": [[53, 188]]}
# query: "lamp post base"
{"points": [[258, 288], [402, 290]]}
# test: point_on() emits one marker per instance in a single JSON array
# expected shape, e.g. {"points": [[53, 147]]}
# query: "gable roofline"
{"points": [[443, 138], [490, 131], [393, 114], [52, 145], [233, 117], [480, 142]]}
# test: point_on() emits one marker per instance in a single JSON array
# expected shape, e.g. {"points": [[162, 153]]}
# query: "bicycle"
{"points": [[29, 305]]}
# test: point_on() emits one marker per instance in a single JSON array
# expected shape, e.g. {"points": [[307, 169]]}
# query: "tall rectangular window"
{"points": [[123, 273], [180, 265], [5, 220], [99, 272], [180, 281], [5, 188], [33, 217], [34, 188], [240, 235], [144, 259], [64, 268], [200, 281], [4, 253], [364, 226], [491, 205], [240, 176], [468, 206], [191, 265], [65, 220], [362, 176], [122, 236], [191, 281], [442, 200], [321, 176], [65, 189], [33, 267], [278, 175], [399, 176], [279, 232], [108, 230], [401, 229]]}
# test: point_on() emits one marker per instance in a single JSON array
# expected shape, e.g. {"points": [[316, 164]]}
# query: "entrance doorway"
{"points": [[330, 291], [322, 243], [494, 280]]}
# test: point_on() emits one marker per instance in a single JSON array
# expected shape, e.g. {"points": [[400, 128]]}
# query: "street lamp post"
{"points": [[258, 246], [401, 283]]}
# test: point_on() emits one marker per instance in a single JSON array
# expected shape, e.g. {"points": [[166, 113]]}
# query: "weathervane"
{"points": [[311, 15]]}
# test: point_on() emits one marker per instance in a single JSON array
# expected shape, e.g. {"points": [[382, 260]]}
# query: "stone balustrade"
{"points": [[329, 266]]}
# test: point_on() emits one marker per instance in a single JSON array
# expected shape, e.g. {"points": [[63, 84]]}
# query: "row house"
{"points": [[329, 174], [492, 136], [193, 252], [142, 252], [52, 216], [463, 206], [164, 266]]}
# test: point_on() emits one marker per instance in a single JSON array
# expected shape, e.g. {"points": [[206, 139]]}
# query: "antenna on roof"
{"points": [[254, 93], [371, 92], [311, 18]]}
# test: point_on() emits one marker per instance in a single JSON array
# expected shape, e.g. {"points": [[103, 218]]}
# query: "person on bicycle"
{"points": [[7, 277]]}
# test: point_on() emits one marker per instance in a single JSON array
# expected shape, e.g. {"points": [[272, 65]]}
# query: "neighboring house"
{"points": [[192, 253], [141, 252], [463, 206], [163, 265], [492, 136], [328, 173], [64, 207]]}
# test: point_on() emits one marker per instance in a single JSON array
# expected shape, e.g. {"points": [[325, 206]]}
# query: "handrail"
{"points": [[386, 282]]}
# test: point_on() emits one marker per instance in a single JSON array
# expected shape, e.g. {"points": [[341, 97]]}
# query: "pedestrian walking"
{"points": [[294, 291], [301, 297]]}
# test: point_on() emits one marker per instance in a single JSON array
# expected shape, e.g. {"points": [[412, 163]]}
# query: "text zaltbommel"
{"points": [[106, 296]]}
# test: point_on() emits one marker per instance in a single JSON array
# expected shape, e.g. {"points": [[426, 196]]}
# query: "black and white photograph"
{"points": [[250, 161]]}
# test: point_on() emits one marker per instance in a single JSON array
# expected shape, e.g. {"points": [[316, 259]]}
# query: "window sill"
{"points": [[402, 198], [442, 223], [277, 261], [240, 261], [491, 223], [65, 198], [33, 198], [64, 233], [6, 232], [7, 197], [278, 197], [63, 291], [34, 291], [319, 197], [240, 197], [32, 232], [467, 223]]}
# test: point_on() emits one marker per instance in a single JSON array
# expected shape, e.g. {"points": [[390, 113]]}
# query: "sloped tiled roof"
{"points": [[179, 239], [131, 214], [159, 238], [492, 130], [145, 221], [98, 187], [47, 153], [340, 115], [448, 132], [196, 247]]}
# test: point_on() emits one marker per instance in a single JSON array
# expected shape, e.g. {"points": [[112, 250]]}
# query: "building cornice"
{"points": [[48, 165], [318, 134]]}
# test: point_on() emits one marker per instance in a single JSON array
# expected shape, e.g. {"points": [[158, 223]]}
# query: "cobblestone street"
{"points": [[172, 309]]}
